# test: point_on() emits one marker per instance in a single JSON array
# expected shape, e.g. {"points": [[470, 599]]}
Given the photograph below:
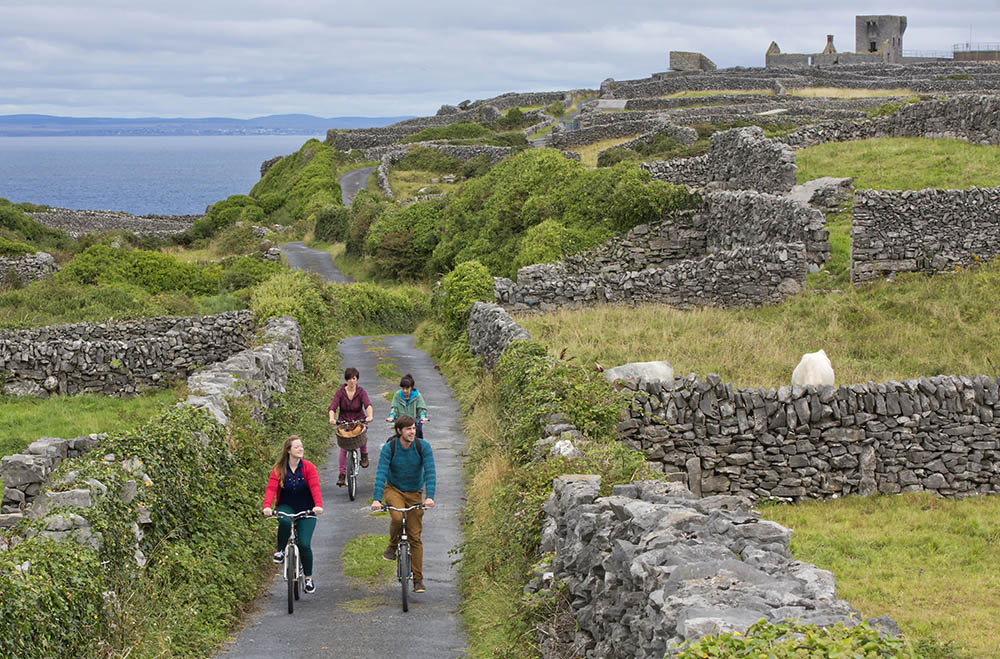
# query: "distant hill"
{"points": [[25, 125]]}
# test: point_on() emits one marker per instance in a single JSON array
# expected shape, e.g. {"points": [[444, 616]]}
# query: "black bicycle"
{"points": [[292, 570], [403, 571], [351, 436]]}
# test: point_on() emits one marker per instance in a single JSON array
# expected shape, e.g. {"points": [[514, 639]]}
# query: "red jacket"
{"points": [[312, 480]]}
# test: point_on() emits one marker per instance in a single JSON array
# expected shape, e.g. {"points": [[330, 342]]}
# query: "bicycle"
{"points": [[403, 571], [351, 441], [292, 570]]}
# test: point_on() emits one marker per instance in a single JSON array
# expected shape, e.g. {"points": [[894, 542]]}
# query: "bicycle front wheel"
{"points": [[290, 577], [352, 474], [404, 572]]}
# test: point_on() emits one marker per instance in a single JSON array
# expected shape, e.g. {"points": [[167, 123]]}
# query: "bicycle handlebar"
{"points": [[305, 514], [416, 506]]}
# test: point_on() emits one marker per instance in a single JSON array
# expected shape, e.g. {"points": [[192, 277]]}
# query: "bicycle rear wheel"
{"points": [[404, 572], [352, 474], [290, 576]]}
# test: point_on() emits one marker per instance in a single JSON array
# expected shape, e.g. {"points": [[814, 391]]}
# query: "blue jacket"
{"points": [[410, 471]]}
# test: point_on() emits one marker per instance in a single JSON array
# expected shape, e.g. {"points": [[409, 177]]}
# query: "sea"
{"points": [[176, 175]]}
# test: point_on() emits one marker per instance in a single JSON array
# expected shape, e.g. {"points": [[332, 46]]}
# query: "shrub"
{"points": [[513, 119], [365, 306], [244, 272], [892, 107], [365, 208], [461, 130], [14, 248], [237, 239], [16, 225], [477, 166], [542, 243], [291, 293], [304, 182], [402, 239], [271, 201], [152, 271], [468, 283], [428, 160], [331, 223], [556, 109], [226, 213], [615, 155]]}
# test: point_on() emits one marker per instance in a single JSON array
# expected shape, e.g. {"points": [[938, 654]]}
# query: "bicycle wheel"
{"points": [[352, 474], [299, 577], [404, 571], [290, 576]]}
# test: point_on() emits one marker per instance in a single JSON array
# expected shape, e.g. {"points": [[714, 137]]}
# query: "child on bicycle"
{"points": [[405, 468], [294, 486], [408, 401], [350, 403]]}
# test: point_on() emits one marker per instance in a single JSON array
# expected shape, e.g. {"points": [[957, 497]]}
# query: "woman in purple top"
{"points": [[353, 405]]}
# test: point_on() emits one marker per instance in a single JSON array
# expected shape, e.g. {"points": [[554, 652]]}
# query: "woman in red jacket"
{"points": [[296, 484]]}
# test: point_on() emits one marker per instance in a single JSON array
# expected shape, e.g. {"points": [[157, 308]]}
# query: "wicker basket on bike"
{"points": [[351, 435]]}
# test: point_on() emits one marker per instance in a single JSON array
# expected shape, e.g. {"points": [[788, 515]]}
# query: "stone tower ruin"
{"points": [[873, 34]]}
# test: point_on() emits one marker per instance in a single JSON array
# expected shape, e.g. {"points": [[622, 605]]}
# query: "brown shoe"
{"points": [[341, 480], [364, 460], [389, 554], [418, 586]]}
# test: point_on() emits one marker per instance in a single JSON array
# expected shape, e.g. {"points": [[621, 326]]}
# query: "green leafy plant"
{"points": [[468, 283]]}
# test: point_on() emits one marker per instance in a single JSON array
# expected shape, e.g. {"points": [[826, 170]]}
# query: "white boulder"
{"points": [[814, 368], [659, 371]]}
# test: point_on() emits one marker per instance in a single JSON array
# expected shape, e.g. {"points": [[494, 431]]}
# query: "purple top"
{"points": [[350, 409]]}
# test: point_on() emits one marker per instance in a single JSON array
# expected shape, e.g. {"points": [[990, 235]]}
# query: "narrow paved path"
{"points": [[354, 182], [348, 619], [297, 255]]}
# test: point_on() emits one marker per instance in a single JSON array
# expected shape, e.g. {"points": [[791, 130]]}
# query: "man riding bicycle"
{"points": [[405, 468]]}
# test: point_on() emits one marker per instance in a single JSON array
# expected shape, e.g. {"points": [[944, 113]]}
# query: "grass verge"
{"points": [[23, 420], [915, 326], [898, 163], [931, 572]]}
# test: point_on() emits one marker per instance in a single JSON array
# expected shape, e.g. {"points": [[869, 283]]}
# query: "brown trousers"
{"points": [[414, 524]]}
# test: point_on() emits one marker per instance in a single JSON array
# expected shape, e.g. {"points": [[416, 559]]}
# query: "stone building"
{"points": [[877, 40]]}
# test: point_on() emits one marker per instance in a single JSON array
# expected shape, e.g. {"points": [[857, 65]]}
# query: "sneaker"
{"points": [[389, 554], [310, 587], [279, 557], [342, 480], [418, 586], [364, 460]]}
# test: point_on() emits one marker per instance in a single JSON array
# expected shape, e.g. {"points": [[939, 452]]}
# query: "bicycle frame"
{"points": [[292, 568], [404, 571]]}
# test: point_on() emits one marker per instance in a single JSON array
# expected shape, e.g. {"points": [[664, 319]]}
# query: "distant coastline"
{"points": [[41, 125]]}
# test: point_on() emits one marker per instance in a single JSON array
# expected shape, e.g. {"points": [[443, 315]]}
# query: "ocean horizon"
{"points": [[169, 175]]}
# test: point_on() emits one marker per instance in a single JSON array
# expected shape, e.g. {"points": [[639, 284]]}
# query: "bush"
{"points": [[237, 239], [17, 226], [364, 307], [152, 271], [457, 131], [331, 223], [402, 239], [365, 209], [271, 201], [474, 167], [787, 640], [244, 272], [226, 213], [292, 293], [513, 119], [892, 107], [300, 184], [468, 283], [15, 248], [615, 155], [555, 109]]}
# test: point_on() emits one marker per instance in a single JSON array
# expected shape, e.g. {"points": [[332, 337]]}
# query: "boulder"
{"points": [[649, 371], [814, 369]]}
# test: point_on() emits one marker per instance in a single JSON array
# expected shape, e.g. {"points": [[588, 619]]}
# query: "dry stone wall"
{"points": [[571, 138], [256, 374], [940, 434], [743, 277], [21, 270], [397, 153], [922, 231], [118, 358], [82, 222], [738, 159], [491, 329], [651, 567], [972, 118]]}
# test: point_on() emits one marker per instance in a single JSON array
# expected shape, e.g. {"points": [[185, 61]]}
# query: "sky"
{"points": [[246, 58]]}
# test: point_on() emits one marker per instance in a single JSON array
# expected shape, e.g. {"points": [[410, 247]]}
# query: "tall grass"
{"points": [[845, 92], [588, 152], [23, 420], [903, 163], [928, 563], [915, 326]]}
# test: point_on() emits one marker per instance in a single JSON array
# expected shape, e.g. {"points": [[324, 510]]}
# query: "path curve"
{"points": [[297, 255], [354, 182]]}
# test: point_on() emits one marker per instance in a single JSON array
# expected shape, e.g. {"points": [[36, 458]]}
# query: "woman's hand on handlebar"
{"points": [[267, 511], [317, 510], [376, 506]]}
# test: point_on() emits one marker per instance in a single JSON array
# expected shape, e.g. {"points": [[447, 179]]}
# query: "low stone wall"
{"points": [[745, 277], [740, 159], [570, 138], [940, 434], [256, 374], [21, 270], [397, 153], [681, 134], [82, 222], [972, 118], [922, 231], [365, 138], [491, 329], [651, 567], [527, 99], [118, 358]]}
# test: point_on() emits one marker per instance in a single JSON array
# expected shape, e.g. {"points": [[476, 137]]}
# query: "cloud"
{"points": [[228, 58]]}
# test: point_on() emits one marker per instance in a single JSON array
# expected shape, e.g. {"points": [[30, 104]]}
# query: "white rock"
{"points": [[814, 368]]}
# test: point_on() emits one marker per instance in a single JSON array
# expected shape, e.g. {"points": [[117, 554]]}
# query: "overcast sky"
{"points": [[198, 58]]}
